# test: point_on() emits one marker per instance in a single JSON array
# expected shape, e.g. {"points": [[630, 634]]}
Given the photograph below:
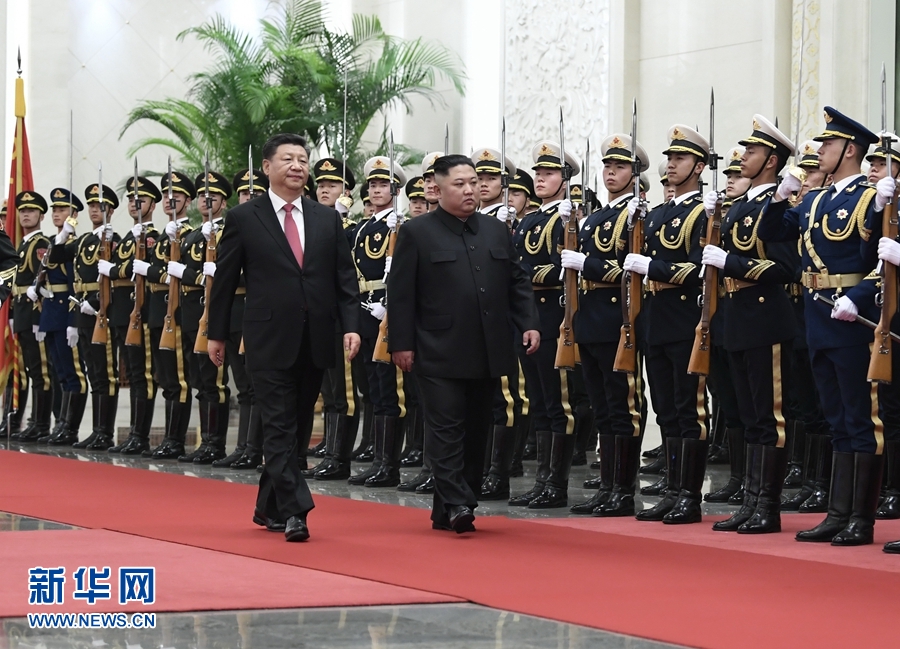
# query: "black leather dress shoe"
{"points": [[102, 443], [295, 529], [412, 460], [259, 518], [461, 519], [168, 450], [210, 455], [229, 459], [134, 446], [87, 441], [247, 461]]}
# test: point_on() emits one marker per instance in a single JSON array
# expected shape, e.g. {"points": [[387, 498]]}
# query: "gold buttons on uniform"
{"points": [[684, 297], [761, 299], [543, 299], [653, 253], [615, 299]]}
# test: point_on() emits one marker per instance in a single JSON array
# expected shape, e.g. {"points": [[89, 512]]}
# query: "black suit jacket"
{"points": [[455, 292], [280, 296]]}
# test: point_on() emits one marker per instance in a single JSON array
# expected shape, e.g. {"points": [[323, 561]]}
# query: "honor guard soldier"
{"points": [[668, 190], [368, 208], [365, 452], [617, 398], [101, 360], [26, 316], [538, 240], [521, 191], [833, 225], [213, 393], [878, 160], [415, 195], [671, 263], [120, 270], [430, 187], [385, 380], [53, 288], [171, 363], [757, 327], [334, 182], [247, 453], [490, 169]]}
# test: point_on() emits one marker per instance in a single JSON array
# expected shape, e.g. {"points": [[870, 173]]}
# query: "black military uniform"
{"points": [[385, 379], [171, 364], [835, 223], [26, 320], [212, 388], [670, 313], [757, 332], [538, 241], [617, 398], [138, 358], [59, 319]]}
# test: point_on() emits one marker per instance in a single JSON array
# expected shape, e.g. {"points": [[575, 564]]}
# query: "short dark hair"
{"points": [[271, 146], [445, 163], [861, 152]]}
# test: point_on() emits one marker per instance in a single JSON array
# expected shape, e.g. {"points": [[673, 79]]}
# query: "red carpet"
{"points": [[187, 578], [683, 593]]}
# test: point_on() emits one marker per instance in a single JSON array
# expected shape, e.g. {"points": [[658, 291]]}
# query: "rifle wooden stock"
{"points": [[167, 338], [699, 362], [882, 353], [201, 345], [381, 354], [135, 335], [101, 326], [567, 356], [632, 301]]}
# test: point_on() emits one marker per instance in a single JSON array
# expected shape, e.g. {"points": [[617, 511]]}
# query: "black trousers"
{"points": [[66, 362], [721, 386], [803, 399], [679, 398], [759, 375], [510, 401], [457, 420], [617, 398], [171, 367], [138, 363], [286, 400], [35, 360], [338, 387], [385, 383], [102, 362], [238, 368], [548, 390], [207, 379]]}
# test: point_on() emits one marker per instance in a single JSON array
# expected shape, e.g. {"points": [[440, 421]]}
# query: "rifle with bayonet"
{"points": [[881, 357], [566, 349], [700, 353], [201, 345], [135, 335], [504, 173], [167, 339], [101, 326], [632, 283], [381, 353]]}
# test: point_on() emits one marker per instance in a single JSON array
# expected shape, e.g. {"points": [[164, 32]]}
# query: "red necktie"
{"points": [[292, 234]]}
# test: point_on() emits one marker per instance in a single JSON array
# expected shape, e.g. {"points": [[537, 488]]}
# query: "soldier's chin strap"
{"points": [[689, 176], [562, 179], [841, 157], [763, 165]]}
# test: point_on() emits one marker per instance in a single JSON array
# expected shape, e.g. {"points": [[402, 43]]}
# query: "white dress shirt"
{"points": [[278, 204], [753, 192], [678, 200]]}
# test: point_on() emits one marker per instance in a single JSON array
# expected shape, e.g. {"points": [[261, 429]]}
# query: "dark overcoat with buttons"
{"points": [[454, 289]]}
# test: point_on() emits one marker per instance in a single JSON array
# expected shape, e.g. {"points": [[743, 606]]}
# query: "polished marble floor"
{"points": [[16, 523]]}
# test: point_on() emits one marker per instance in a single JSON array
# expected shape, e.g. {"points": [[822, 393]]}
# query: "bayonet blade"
{"points": [[343, 139], [446, 138], [250, 168], [206, 196], [562, 153], [799, 84]]}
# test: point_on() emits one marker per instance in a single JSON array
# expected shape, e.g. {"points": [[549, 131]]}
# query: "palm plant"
{"points": [[292, 79]]}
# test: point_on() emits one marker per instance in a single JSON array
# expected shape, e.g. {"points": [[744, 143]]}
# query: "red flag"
{"points": [[20, 180]]}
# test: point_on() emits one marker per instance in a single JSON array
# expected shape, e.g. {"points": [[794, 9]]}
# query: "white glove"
{"points": [[713, 255], [72, 336], [103, 267], [710, 201], [378, 311], [206, 229], [565, 209], [573, 259], [171, 229], [633, 206], [636, 263], [62, 237], [790, 184], [885, 192], [391, 220], [387, 265], [889, 250], [67, 229], [506, 214], [38, 334], [844, 309], [342, 209], [137, 230], [32, 294], [87, 309], [176, 269], [140, 267], [209, 268]]}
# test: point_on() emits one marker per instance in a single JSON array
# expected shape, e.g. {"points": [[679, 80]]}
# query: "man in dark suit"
{"points": [[300, 280], [456, 289]]}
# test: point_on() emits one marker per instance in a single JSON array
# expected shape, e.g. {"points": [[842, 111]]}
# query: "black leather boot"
{"points": [[139, 440], [319, 449], [496, 485], [252, 456], [654, 467], [427, 486], [867, 468], [172, 446], [543, 441], [95, 423], [627, 460], [583, 427], [422, 480], [766, 518], [736, 450], [218, 431], [889, 509], [659, 487], [243, 430], [693, 470], [74, 413], [719, 448], [203, 407], [752, 479], [331, 422], [378, 444], [42, 403], [415, 438], [338, 447], [60, 435], [604, 482], [672, 457], [556, 490], [365, 451], [840, 502], [12, 417], [523, 425], [388, 474], [653, 452], [812, 447], [107, 407], [796, 445], [892, 547], [818, 501]]}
